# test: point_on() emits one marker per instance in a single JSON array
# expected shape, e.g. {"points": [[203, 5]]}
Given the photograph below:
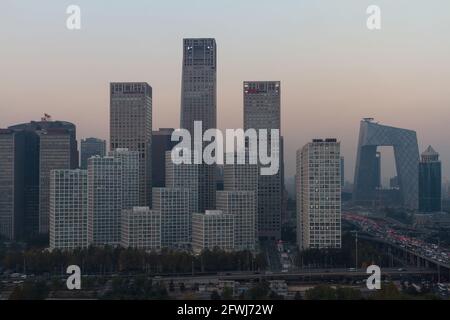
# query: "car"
{"points": [[352, 269]]}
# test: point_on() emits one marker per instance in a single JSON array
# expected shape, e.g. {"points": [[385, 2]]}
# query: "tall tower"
{"points": [[430, 181], [318, 187], [262, 110], [12, 167], [198, 103], [130, 126]]}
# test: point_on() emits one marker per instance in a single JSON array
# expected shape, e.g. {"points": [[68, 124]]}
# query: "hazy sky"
{"points": [[333, 70]]}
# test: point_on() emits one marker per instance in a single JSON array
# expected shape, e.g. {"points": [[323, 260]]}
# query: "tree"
{"points": [[321, 292]]}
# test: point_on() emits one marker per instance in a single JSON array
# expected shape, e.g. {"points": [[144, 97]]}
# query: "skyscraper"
{"points": [[161, 142], [91, 147], [55, 152], [198, 103], [318, 187], [104, 200], [12, 179], [32, 165], [131, 127], [406, 152], [430, 181], [262, 111], [68, 209]]}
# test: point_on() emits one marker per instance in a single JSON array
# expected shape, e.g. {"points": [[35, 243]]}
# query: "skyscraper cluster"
{"points": [[136, 196]]}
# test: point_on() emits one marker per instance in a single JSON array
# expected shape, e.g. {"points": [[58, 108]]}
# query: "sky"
{"points": [[333, 70]]}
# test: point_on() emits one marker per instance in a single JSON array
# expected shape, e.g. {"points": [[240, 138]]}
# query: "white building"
{"points": [[212, 229], [141, 229], [104, 200], [173, 205], [68, 209], [130, 176], [318, 187], [241, 204]]}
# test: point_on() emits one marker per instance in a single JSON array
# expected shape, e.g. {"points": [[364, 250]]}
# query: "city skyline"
{"points": [[381, 78]]}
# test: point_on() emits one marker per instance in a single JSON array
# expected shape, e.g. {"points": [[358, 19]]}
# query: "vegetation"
{"points": [[344, 257], [107, 260]]}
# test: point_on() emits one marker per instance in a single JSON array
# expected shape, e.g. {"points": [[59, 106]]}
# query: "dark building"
{"points": [[161, 143], [367, 168], [430, 195], [12, 179], [31, 132], [90, 147]]}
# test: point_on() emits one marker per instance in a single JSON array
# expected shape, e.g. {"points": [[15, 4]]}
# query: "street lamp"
{"points": [[356, 248]]}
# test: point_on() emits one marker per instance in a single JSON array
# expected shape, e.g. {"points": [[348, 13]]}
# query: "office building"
{"points": [[262, 110], [141, 229], [430, 182], [131, 127], [32, 165], [198, 103], [173, 205], [161, 142], [129, 162], [68, 209], [211, 230], [242, 205], [104, 200], [318, 187], [91, 147], [55, 152], [183, 176], [12, 180], [406, 152]]}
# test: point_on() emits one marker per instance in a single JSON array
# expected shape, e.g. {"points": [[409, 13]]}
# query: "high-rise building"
{"points": [[198, 103], [129, 161], [173, 205], [342, 172], [406, 152], [91, 147], [141, 229], [242, 205], [32, 166], [161, 142], [212, 229], [262, 111], [55, 152], [68, 209], [131, 127], [104, 200], [318, 187], [430, 182], [183, 176], [12, 180]]}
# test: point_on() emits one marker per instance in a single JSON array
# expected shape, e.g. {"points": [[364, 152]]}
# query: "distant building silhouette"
{"points": [[91, 147]]}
